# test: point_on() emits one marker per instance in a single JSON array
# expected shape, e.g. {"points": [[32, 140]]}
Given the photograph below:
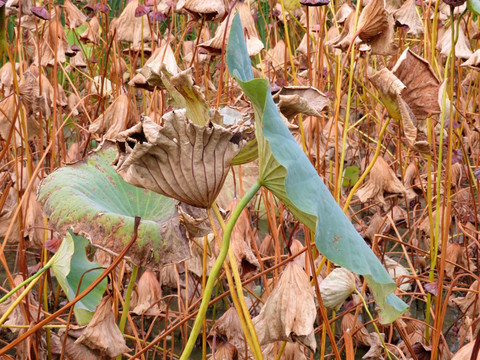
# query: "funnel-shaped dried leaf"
{"points": [[343, 40], [422, 85], [456, 255], [73, 16], [179, 159], [360, 337], [398, 271], [77, 62], [212, 10], [133, 29], [295, 247], [465, 352], [162, 58], [228, 328], [6, 78], [102, 332], [376, 347], [444, 42], [343, 12], [337, 287], [407, 15], [289, 312], [54, 38], [293, 100], [149, 295], [195, 262], [471, 301], [390, 88], [382, 181], [292, 351], [254, 44], [118, 117], [375, 28], [278, 56], [473, 61], [225, 351], [91, 34]]}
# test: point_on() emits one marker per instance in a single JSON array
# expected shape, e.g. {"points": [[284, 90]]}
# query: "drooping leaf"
{"points": [[69, 266], [286, 171], [474, 6], [90, 198]]}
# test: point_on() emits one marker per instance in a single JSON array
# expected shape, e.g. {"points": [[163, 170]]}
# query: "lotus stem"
{"points": [[128, 297], [3, 31], [216, 270]]}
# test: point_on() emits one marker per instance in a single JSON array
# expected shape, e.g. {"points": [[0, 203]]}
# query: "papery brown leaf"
{"points": [[455, 255], [343, 40], [170, 277], [195, 262], [465, 352], [7, 74], [337, 287], [343, 12], [72, 350], [214, 10], [54, 38], [377, 225], [162, 59], [292, 351], [179, 159], [473, 61], [225, 351], [92, 34], [228, 328], [118, 117], [360, 337], [132, 29], [382, 181], [375, 28], [254, 44], [422, 85], [277, 56], [293, 100], [149, 294], [289, 312], [73, 16], [77, 61], [407, 15], [102, 332], [376, 346], [399, 273], [444, 42], [471, 301]]}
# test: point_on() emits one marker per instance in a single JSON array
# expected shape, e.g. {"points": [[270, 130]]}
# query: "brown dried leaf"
{"points": [[293, 100], [73, 16], [149, 294], [455, 255], [444, 42], [6, 78], [91, 34], [225, 351], [407, 15], [337, 287], [54, 38], [162, 58], [473, 61], [292, 351], [228, 328], [289, 312], [213, 10], [179, 159], [132, 29], [382, 181], [254, 44], [360, 337], [118, 117], [376, 346], [467, 303], [102, 332], [465, 353]]}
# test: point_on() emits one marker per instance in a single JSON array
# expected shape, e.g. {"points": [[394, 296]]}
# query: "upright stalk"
{"points": [[216, 270]]}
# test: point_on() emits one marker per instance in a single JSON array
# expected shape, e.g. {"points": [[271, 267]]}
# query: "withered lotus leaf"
{"points": [[229, 329], [149, 293], [470, 303], [212, 10], [473, 61], [179, 159], [465, 352], [102, 333], [292, 351], [337, 287], [307, 100], [289, 312], [162, 57], [407, 15], [350, 323], [73, 16]]}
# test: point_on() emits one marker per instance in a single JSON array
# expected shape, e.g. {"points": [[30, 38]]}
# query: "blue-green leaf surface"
{"points": [[286, 171], [90, 198], [474, 6], [69, 266]]}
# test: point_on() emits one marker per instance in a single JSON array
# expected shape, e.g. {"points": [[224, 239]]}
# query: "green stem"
{"points": [[216, 270], [128, 296], [3, 31]]}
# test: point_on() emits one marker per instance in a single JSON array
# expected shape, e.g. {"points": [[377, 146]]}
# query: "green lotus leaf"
{"points": [[90, 198], [474, 6], [69, 266], [286, 171]]}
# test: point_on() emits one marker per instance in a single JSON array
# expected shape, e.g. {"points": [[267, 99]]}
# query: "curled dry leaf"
{"points": [[102, 332], [225, 351], [289, 312], [378, 225], [465, 352], [360, 337], [444, 42], [398, 271], [179, 159], [376, 346], [213, 10], [292, 351], [72, 350], [73, 16], [254, 44], [91, 34], [293, 100], [54, 38], [337, 287], [132, 29], [194, 264], [473, 61], [471, 301], [228, 328], [407, 15], [118, 117], [162, 59], [7, 74], [382, 181], [149, 294]]}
